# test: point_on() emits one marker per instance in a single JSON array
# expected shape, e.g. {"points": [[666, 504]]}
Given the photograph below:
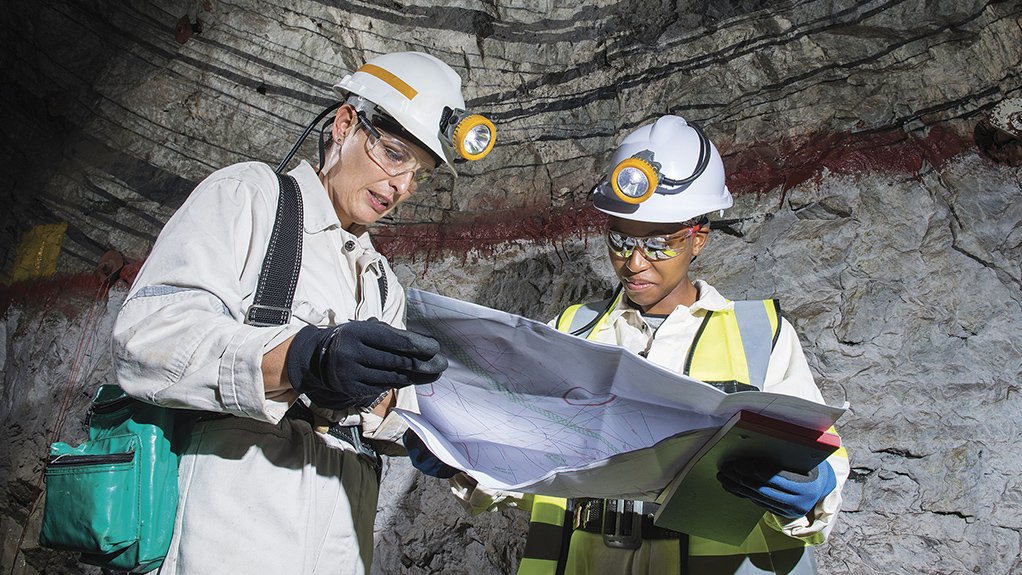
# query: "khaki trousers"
{"points": [[257, 498]]}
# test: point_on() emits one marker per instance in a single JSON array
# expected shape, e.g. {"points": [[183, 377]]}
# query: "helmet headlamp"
{"points": [[472, 136], [635, 179]]}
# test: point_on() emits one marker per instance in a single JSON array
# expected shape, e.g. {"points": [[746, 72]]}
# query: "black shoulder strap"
{"points": [[279, 276], [382, 280]]}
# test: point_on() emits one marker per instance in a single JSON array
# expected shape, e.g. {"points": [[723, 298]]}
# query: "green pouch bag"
{"points": [[114, 497]]}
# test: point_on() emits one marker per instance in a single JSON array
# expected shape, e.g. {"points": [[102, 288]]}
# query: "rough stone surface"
{"points": [[55, 351], [893, 245], [111, 121]]}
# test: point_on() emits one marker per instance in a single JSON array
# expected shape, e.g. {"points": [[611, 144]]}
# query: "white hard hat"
{"points": [[664, 172], [423, 95]]}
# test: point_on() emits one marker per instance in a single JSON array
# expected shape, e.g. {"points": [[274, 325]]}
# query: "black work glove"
{"points": [[351, 364], [423, 459]]}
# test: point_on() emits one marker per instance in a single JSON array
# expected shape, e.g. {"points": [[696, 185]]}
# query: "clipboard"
{"points": [[694, 502]]}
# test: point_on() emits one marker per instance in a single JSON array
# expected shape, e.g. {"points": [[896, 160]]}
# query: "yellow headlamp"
{"points": [[472, 136], [636, 178]]}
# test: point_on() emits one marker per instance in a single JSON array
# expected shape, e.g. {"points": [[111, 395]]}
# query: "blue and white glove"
{"points": [[784, 493], [423, 459]]}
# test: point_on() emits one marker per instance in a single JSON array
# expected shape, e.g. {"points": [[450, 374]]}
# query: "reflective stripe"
{"points": [[745, 336], [392, 80], [753, 322], [159, 290], [717, 354], [567, 318], [579, 319], [544, 546]]}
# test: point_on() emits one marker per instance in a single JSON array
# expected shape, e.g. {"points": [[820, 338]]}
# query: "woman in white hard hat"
{"points": [[277, 476], [665, 178]]}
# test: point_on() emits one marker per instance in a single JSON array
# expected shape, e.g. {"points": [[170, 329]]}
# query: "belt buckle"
{"points": [[283, 314], [622, 524], [586, 512]]}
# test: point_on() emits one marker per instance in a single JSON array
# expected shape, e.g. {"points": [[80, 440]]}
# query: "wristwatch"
{"points": [[378, 400]]}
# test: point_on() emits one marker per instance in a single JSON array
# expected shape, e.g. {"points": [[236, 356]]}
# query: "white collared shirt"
{"points": [[180, 339], [787, 373]]}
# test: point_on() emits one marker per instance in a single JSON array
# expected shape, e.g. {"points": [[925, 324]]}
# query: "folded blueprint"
{"points": [[524, 407]]}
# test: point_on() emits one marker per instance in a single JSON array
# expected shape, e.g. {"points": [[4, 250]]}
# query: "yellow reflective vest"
{"points": [[731, 351]]}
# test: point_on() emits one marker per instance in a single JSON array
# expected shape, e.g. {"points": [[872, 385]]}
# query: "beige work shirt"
{"points": [[257, 493], [180, 339]]}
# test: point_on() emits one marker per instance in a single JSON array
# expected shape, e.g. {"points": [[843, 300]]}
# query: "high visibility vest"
{"points": [[547, 542], [731, 351]]}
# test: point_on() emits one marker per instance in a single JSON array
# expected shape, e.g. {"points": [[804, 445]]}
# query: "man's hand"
{"points": [[785, 493], [351, 364]]}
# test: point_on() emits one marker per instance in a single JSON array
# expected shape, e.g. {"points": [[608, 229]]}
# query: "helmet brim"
{"points": [[660, 208]]}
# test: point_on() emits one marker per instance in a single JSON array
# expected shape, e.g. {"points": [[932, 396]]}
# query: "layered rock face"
{"points": [[863, 204]]}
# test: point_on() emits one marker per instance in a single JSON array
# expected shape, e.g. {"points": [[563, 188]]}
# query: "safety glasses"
{"points": [[654, 248], [393, 155]]}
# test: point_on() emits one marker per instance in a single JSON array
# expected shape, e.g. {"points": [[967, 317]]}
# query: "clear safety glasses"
{"points": [[393, 155], [654, 248]]}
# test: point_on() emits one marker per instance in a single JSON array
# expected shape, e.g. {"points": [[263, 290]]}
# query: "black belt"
{"points": [[620, 521], [350, 434]]}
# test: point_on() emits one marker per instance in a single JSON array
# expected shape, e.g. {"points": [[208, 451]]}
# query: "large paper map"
{"points": [[524, 407]]}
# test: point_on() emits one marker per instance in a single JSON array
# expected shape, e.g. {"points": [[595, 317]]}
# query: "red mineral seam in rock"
{"points": [[65, 291], [753, 169], [757, 169], [61, 292]]}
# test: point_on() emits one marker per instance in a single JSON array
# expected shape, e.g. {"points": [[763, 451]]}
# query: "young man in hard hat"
{"points": [[665, 178], [278, 475]]}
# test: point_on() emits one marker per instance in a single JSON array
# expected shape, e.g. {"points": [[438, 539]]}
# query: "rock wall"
{"points": [[863, 205], [54, 351], [112, 119]]}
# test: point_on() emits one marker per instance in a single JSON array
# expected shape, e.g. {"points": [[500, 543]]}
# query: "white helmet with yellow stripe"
{"points": [[664, 172], [423, 96]]}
